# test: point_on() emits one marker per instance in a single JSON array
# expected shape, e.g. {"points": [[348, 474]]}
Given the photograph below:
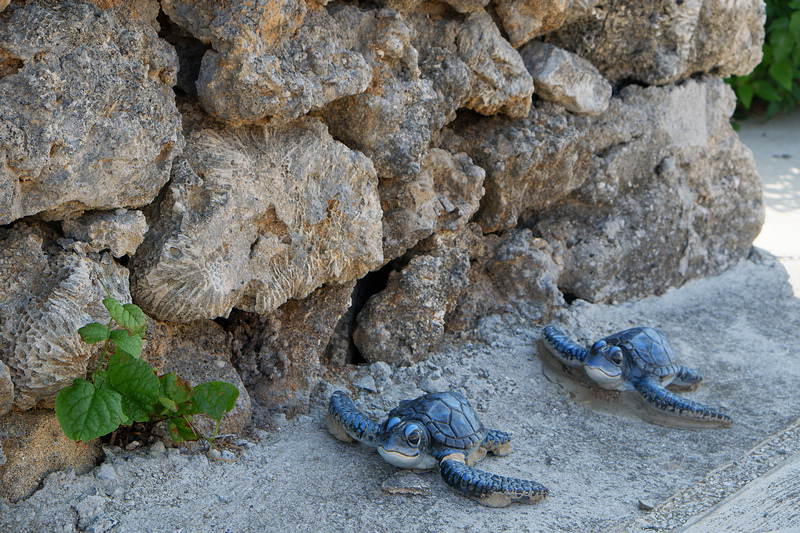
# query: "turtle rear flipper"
{"points": [[489, 489], [497, 442], [562, 347], [687, 378], [664, 400], [347, 423]]}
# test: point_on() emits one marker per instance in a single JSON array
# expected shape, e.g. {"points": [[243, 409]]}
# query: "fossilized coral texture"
{"points": [[484, 156]]}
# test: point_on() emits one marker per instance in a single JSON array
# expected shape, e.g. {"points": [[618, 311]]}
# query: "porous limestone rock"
{"points": [[566, 79], [513, 272], [35, 446], [673, 195], [662, 41], [402, 322], [279, 354], [444, 196], [462, 6], [87, 117], [269, 60], [46, 295], [525, 19], [199, 352], [529, 163], [6, 390], [256, 216], [120, 231]]}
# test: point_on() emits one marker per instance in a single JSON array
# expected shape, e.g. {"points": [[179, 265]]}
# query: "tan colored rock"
{"points": [[35, 446], [525, 19], [87, 118], [270, 61], [256, 216], [664, 41], [566, 79], [402, 322], [279, 353], [530, 163], [46, 295], [120, 231]]}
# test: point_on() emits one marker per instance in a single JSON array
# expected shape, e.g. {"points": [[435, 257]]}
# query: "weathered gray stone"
{"points": [[462, 6], [270, 60], [566, 79], [673, 195], [399, 324], [199, 352], [663, 41], [120, 231], [444, 196], [6, 391], [46, 294], [525, 19], [87, 118], [256, 216], [513, 272], [279, 354], [529, 163]]}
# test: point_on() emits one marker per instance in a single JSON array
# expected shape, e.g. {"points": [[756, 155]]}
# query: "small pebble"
{"points": [[366, 382], [157, 448], [381, 369], [105, 472], [646, 505]]}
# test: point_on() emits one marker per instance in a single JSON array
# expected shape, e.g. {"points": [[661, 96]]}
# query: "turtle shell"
{"points": [[449, 418], [648, 348]]}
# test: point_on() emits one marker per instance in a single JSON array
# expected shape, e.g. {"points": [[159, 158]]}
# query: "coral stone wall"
{"points": [[330, 180]]}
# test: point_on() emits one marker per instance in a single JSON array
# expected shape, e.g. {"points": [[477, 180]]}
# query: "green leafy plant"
{"points": [[125, 389], [775, 82]]}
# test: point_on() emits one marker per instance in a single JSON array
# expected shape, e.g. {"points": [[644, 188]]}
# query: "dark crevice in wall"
{"points": [[190, 54], [9, 64]]}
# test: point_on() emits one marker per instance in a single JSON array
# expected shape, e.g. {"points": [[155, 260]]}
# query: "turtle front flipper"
{"points": [[489, 489], [687, 378], [562, 347], [664, 400], [347, 423]]}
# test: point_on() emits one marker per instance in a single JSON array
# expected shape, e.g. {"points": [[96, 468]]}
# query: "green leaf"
{"points": [[180, 430], [745, 94], [86, 412], [128, 316], [782, 43], [167, 405], [782, 73], [176, 389], [134, 380], [131, 344], [214, 399], [94, 332], [766, 91]]}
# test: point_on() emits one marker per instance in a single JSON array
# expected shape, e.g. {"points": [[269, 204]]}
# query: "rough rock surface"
{"points": [[46, 294], [514, 272], [255, 216], [120, 231], [6, 390], [673, 195], [663, 41], [87, 118], [402, 322], [35, 446], [525, 19], [566, 79], [269, 60], [529, 163], [199, 352], [279, 354]]}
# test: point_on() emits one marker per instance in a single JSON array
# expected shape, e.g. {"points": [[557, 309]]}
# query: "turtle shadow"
{"points": [[621, 404]]}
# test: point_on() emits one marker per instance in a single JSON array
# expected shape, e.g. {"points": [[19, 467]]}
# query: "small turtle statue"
{"points": [[439, 430], [639, 359]]}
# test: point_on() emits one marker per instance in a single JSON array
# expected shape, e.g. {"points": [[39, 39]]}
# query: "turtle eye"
{"points": [[413, 436], [599, 345], [615, 355]]}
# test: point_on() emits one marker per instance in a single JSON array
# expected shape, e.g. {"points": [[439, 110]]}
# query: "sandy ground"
{"points": [[600, 459]]}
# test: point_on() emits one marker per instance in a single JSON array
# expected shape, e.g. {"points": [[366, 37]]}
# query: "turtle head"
{"points": [[404, 443], [605, 365]]}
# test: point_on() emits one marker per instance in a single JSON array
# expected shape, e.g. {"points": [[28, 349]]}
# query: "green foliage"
{"points": [[125, 389], [775, 82]]}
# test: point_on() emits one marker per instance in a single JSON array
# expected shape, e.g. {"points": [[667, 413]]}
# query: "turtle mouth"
{"points": [[398, 458], [602, 377]]}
